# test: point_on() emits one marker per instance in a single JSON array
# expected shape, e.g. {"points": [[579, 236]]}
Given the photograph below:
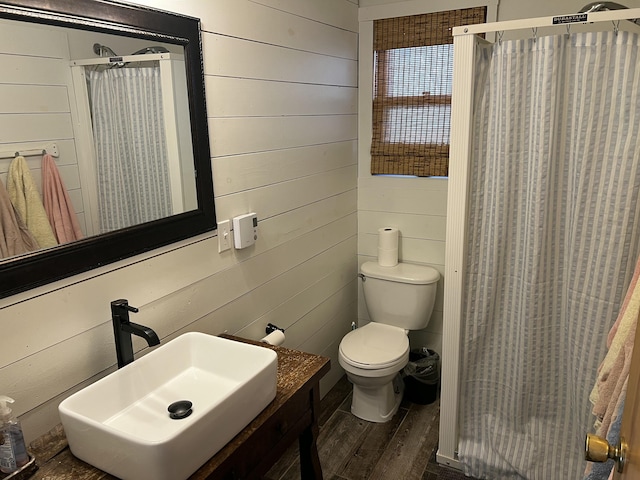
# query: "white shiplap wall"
{"points": [[35, 107], [281, 88]]}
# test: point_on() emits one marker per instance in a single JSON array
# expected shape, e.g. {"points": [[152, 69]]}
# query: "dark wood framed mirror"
{"points": [[23, 272]]}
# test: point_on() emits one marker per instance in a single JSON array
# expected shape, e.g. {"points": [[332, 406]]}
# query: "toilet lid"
{"points": [[374, 346]]}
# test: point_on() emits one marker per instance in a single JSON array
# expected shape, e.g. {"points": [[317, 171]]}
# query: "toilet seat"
{"points": [[375, 346]]}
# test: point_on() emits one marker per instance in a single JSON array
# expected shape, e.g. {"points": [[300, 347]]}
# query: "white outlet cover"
{"points": [[224, 236]]}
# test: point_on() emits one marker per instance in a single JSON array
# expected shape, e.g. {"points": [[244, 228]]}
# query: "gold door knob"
{"points": [[597, 449]]}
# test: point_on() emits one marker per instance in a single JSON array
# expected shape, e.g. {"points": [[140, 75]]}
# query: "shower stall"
{"points": [[543, 233], [134, 137]]}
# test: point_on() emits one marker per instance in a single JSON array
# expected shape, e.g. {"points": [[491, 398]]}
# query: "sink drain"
{"points": [[180, 409]]}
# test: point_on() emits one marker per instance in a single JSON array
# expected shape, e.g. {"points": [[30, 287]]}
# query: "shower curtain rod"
{"points": [[556, 20], [149, 57]]}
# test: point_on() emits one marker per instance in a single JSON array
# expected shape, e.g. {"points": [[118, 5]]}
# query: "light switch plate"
{"points": [[224, 236]]}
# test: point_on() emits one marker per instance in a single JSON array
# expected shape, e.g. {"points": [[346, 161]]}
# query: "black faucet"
{"points": [[123, 328]]}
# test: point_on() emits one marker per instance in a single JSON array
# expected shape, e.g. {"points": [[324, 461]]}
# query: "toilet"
{"points": [[399, 299]]}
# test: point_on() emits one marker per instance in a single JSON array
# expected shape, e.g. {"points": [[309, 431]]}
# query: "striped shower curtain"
{"points": [[129, 138], [554, 233]]}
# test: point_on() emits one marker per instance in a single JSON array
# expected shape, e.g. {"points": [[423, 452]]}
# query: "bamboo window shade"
{"points": [[413, 70]]}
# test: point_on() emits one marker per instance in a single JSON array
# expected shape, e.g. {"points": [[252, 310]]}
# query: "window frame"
{"points": [[367, 15]]}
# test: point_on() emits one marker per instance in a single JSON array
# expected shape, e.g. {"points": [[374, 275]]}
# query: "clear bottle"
{"points": [[13, 451]]}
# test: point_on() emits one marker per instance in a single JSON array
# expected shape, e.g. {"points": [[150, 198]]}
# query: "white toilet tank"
{"points": [[402, 296]]}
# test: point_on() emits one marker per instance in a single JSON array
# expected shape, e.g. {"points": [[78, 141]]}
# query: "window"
{"points": [[413, 71]]}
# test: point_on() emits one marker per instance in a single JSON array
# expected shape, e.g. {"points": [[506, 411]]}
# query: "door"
{"points": [[630, 429], [598, 449]]}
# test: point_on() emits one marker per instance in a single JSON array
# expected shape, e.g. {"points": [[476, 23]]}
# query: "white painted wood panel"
{"points": [[41, 127], [243, 172], [331, 311], [430, 252], [282, 197], [253, 21], [402, 200], [254, 306], [232, 136], [433, 184], [214, 316], [237, 314], [336, 373], [330, 308], [70, 176], [341, 13], [37, 377], [294, 314], [418, 226], [33, 99], [31, 70], [23, 38], [288, 225], [233, 57], [282, 28], [340, 323], [247, 97], [78, 206]]}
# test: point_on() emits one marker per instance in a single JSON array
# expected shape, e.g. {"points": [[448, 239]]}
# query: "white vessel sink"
{"points": [[121, 423]]}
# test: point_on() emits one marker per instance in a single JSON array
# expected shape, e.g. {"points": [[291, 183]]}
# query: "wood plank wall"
{"points": [[281, 88], [35, 84]]}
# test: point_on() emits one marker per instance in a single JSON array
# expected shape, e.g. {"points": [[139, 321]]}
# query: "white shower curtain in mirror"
{"points": [[133, 178], [554, 232]]}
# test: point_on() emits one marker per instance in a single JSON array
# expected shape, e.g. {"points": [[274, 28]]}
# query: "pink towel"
{"points": [[57, 204], [618, 335], [614, 369]]}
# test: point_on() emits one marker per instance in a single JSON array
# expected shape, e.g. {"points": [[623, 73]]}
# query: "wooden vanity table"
{"points": [[293, 414]]}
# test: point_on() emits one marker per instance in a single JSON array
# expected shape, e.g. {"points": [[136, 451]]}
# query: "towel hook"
{"points": [[535, 34], [17, 154], [616, 27], [500, 35]]}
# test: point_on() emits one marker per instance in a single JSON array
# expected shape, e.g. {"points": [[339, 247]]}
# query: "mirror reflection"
{"points": [[95, 135], [49, 52]]}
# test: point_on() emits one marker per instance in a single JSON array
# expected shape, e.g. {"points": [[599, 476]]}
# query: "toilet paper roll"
{"points": [[387, 257], [388, 246], [388, 238], [274, 338]]}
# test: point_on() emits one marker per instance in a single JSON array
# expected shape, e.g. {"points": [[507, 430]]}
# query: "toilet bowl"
{"points": [[372, 357], [399, 299]]}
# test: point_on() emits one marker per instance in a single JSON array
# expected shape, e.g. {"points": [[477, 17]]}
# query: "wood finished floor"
{"points": [[354, 449]]}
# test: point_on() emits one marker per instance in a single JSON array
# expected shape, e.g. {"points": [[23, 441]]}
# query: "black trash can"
{"points": [[422, 376]]}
